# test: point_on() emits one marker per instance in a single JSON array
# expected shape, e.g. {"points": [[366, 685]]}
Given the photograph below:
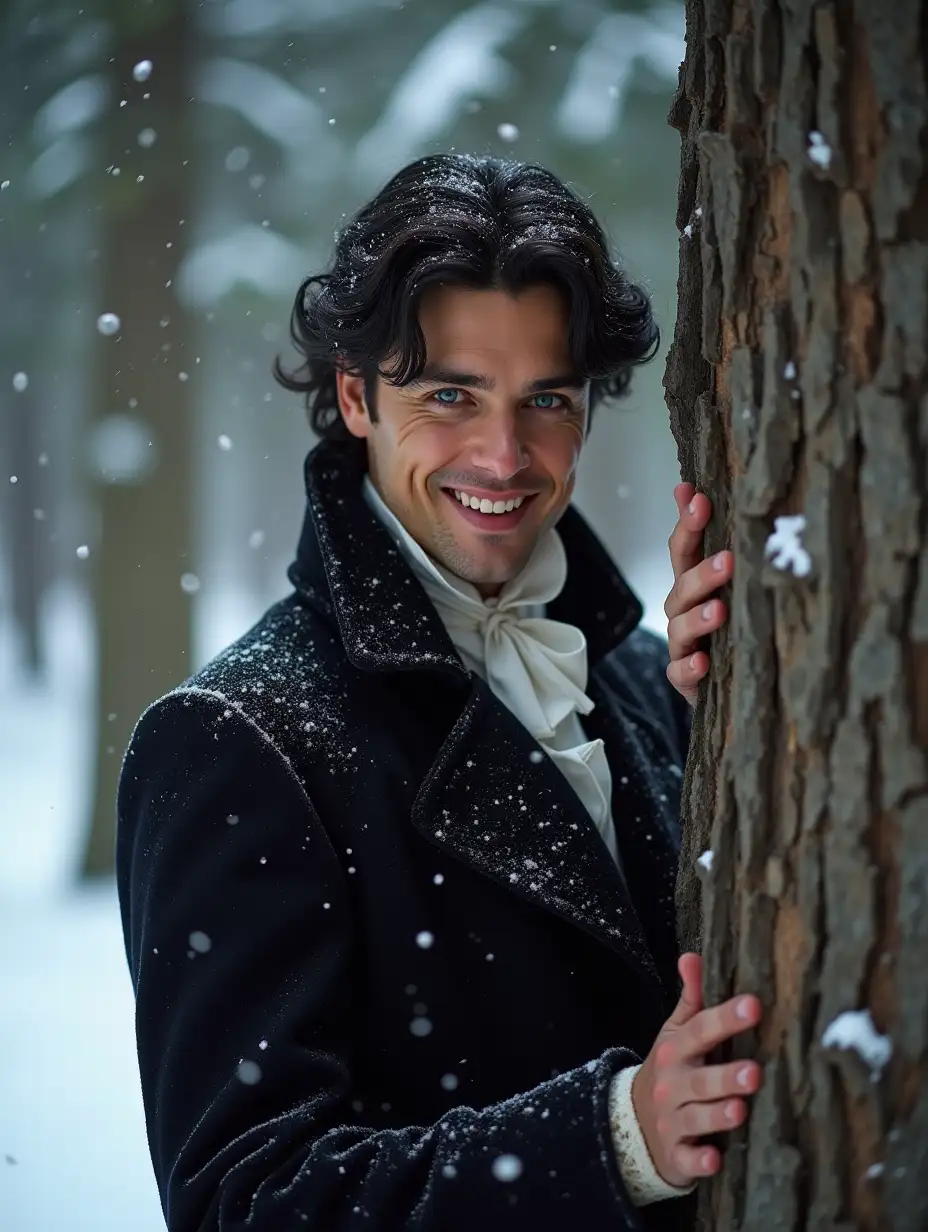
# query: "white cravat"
{"points": [[535, 666]]}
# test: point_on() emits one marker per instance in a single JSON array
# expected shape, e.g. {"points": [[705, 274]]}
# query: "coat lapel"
{"points": [[645, 810], [492, 798]]}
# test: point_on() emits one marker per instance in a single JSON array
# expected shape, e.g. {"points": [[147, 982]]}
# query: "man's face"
{"points": [[497, 420]]}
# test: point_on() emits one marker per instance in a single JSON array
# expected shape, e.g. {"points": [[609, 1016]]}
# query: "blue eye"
{"points": [[548, 402], [450, 401]]}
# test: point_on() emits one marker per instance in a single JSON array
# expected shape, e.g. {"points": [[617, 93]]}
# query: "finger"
{"points": [[699, 583], [686, 539], [684, 632], [706, 1083], [689, 966], [685, 673], [697, 1120], [692, 1162], [706, 1030]]}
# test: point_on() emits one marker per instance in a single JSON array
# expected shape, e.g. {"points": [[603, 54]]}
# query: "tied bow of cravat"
{"points": [[536, 666]]}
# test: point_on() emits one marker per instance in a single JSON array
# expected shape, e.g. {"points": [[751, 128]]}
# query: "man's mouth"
{"points": [[485, 505], [491, 511]]}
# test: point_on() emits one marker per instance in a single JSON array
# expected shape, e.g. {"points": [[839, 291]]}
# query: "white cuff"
{"points": [[642, 1180]]}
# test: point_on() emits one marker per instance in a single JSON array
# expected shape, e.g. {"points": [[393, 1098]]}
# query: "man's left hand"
{"points": [[690, 608]]}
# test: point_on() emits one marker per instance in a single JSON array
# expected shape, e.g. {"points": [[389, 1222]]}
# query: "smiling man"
{"points": [[396, 869]]}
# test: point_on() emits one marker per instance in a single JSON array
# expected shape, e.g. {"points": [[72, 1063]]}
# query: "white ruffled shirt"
{"points": [[535, 666], [538, 669]]}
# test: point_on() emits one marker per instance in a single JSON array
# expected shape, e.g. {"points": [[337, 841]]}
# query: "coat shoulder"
{"points": [[285, 677]]}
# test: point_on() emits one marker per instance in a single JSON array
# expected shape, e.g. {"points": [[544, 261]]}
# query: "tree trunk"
{"points": [[798, 388], [141, 443]]}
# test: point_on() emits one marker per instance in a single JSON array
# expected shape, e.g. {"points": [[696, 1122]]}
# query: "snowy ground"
{"points": [[73, 1153]]}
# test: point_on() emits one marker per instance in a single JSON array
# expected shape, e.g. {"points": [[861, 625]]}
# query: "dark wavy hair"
{"points": [[474, 221]]}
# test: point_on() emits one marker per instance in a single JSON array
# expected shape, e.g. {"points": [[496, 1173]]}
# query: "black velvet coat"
{"points": [[382, 958]]}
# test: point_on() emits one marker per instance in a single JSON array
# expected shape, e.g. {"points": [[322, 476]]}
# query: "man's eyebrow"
{"points": [[566, 380], [433, 375]]}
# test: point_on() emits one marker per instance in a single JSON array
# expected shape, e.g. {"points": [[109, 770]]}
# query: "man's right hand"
{"points": [[678, 1098]]}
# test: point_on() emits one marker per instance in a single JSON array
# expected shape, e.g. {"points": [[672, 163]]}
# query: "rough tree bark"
{"points": [[143, 438], [798, 386]]}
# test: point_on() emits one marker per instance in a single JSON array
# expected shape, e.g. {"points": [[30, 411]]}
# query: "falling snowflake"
{"points": [[147, 138], [200, 942], [108, 323], [224, 442], [189, 583], [421, 1027], [142, 70], [507, 1167], [508, 132], [20, 382], [425, 940], [789, 370], [449, 1082], [249, 1072], [256, 539], [705, 860], [238, 158], [785, 547], [83, 552]]}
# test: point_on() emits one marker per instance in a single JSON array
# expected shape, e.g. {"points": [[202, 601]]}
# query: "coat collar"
{"points": [[348, 565]]}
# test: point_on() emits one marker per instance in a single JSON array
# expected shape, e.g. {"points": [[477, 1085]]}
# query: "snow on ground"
{"points": [[70, 1103], [73, 1152]]}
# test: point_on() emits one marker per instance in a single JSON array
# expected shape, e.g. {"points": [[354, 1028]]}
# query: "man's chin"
{"points": [[488, 572]]}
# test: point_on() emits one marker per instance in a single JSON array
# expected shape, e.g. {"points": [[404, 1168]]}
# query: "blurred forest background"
{"points": [[170, 170]]}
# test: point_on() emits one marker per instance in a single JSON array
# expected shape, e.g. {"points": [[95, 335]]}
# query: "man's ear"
{"points": [[352, 404]]}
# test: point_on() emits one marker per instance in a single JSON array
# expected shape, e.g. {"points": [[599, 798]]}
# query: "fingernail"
{"points": [[693, 662], [692, 506], [718, 562], [707, 612], [744, 1076], [731, 1111], [744, 1008], [706, 1162]]}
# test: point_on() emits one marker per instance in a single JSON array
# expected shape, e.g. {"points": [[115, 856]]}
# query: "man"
{"points": [[396, 870]]}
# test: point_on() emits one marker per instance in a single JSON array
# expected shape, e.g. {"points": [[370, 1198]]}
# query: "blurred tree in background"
{"points": [[142, 411], [171, 454]]}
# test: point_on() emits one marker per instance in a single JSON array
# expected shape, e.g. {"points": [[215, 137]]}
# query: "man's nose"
{"points": [[497, 447]]}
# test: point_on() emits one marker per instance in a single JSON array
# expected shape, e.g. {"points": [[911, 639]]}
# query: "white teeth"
{"points": [[487, 506]]}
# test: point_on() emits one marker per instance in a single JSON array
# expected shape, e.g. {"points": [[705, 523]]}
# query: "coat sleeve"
{"points": [[238, 933]]}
